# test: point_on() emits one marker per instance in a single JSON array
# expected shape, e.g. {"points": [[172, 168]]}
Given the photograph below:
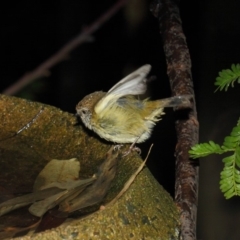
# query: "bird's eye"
{"points": [[84, 111]]}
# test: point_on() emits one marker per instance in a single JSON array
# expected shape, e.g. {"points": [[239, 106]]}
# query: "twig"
{"points": [[26, 126], [30, 122], [179, 72], [43, 69]]}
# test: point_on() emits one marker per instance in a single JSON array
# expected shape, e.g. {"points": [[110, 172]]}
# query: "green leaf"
{"points": [[228, 160], [228, 181], [230, 175], [237, 152], [226, 174], [230, 193], [225, 186], [228, 77], [236, 130], [205, 149], [232, 141]]}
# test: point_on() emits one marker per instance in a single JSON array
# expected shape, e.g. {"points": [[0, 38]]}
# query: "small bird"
{"points": [[119, 116]]}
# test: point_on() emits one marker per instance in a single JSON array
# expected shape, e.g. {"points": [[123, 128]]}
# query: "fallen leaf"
{"points": [[71, 189], [95, 193], [25, 200], [57, 171]]}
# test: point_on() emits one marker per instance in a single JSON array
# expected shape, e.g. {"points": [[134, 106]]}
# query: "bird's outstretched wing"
{"points": [[132, 84]]}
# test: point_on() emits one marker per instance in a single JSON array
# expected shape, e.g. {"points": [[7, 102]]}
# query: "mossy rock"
{"points": [[145, 211]]}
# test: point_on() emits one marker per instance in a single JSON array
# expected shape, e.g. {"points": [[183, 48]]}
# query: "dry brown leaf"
{"points": [[71, 189], [97, 191], [57, 171]]}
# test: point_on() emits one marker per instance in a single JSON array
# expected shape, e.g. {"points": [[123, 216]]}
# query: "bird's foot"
{"points": [[117, 147], [131, 149]]}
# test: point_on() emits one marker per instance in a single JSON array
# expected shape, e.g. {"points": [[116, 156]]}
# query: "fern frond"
{"points": [[230, 175], [232, 141], [205, 149], [228, 77]]}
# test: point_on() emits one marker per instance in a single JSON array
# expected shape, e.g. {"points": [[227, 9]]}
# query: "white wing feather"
{"points": [[132, 84]]}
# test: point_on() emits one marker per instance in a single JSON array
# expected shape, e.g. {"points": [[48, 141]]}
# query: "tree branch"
{"points": [[179, 72], [85, 35]]}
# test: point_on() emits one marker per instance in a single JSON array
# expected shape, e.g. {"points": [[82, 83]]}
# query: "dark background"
{"points": [[32, 31]]}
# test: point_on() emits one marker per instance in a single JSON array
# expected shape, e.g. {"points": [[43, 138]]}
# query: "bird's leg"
{"points": [[133, 148]]}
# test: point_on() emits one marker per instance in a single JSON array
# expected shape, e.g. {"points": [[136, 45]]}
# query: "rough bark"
{"points": [[180, 77]]}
